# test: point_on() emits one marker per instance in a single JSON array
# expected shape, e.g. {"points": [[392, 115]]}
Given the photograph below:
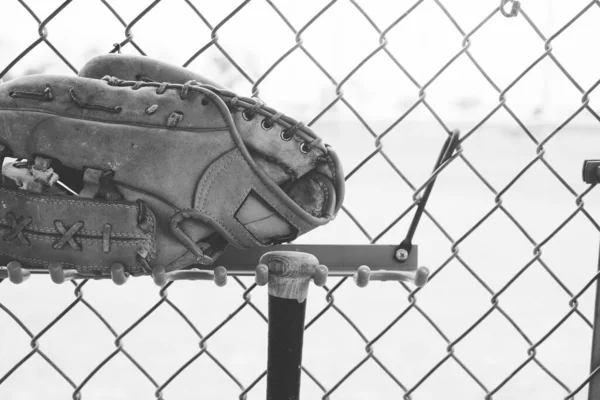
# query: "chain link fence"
{"points": [[512, 246]]}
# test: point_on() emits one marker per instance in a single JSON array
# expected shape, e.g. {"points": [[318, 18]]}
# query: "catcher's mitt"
{"points": [[166, 173]]}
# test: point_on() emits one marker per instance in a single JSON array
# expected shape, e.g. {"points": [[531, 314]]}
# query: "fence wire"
{"points": [[408, 388]]}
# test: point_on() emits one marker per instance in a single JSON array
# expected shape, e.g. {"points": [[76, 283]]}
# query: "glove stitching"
{"points": [[47, 263], [250, 112], [91, 269], [110, 121], [106, 238], [48, 238], [283, 214], [162, 87], [151, 224], [89, 106], [42, 229], [17, 225], [253, 105], [89, 203], [214, 174], [68, 235], [46, 95], [137, 85], [333, 170], [273, 119], [245, 103], [186, 88]]}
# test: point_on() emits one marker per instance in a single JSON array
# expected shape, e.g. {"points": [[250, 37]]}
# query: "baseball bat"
{"points": [[288, 275]]}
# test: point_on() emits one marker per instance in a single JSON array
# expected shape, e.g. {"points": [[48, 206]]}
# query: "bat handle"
{"points": [[364, 275], [288, 275]]}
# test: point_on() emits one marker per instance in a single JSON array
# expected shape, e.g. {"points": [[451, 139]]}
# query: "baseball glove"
{"points": [[141, 164]]}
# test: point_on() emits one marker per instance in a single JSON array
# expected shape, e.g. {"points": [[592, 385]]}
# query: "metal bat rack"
{"points": [[287, 270]]}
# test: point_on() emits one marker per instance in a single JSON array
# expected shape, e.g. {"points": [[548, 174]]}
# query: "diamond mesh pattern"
{"points": [[507, 234]]}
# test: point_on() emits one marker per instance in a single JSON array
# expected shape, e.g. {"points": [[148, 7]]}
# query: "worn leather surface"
{"points": [[233, 178], [96, 254], [135, 68], [175, 147], [280, 159]]}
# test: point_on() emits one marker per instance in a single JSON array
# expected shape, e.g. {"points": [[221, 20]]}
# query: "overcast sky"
{"points": [[256, 37]]}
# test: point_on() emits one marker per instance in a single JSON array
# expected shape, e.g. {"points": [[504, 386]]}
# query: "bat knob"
{"points": [[262, 275], [290, 272], [117, 273], [16, 274], [220, 276]]}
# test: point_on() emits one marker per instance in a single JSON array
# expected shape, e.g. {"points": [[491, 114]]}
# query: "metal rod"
{"points": [[446, 153]]}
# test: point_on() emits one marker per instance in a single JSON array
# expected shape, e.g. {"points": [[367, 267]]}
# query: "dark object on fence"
{"points": [[591, 171]]}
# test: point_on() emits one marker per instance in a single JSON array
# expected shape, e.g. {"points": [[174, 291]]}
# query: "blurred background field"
{"points": [[410, 115]]}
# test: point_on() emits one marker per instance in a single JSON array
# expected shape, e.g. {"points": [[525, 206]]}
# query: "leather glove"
{"points": [[163, 169]]}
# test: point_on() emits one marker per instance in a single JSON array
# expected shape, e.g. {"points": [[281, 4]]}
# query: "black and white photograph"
{"points": [[285, 199]]}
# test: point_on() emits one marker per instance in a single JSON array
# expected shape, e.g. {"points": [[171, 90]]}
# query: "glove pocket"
{"points": [[247, 208], [82, 234]]}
